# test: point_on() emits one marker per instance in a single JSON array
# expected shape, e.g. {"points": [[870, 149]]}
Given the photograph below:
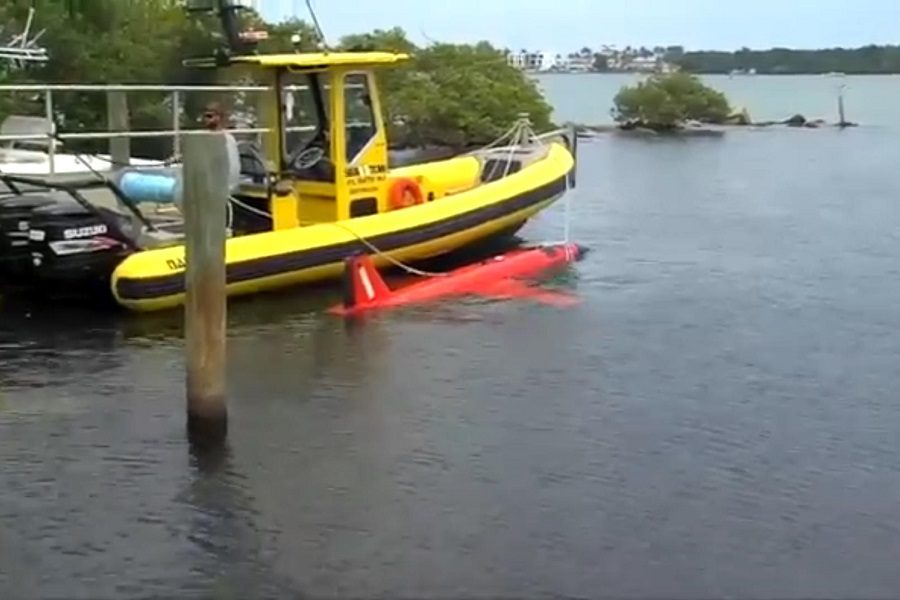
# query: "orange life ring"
{"points": [[401, 191]]}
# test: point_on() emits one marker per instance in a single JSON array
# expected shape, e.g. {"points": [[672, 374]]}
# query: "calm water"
{"points": [[870, 100], [718, 417]]}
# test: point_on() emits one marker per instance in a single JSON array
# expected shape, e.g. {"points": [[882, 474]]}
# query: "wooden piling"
{"points": [[205, 198], [118, 120]]}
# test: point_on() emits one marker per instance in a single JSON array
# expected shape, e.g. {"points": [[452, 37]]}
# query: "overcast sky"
{"points": [[564, 24]]}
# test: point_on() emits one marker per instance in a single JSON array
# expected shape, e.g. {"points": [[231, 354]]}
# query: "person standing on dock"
{"points": [[213, 120]]}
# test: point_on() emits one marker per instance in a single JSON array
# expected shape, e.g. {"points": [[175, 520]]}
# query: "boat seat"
{"points": [[253, 164], [498, 168], [27, 125]]}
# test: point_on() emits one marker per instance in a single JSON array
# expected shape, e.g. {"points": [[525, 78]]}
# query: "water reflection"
{"points": [[229, 547], [725, 395]]}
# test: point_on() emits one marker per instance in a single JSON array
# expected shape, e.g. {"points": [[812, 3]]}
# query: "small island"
{"points": [[680, 104], [667, 103]]}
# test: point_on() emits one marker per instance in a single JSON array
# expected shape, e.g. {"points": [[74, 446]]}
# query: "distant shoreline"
{"points": [[719, 74], [865, 60]]}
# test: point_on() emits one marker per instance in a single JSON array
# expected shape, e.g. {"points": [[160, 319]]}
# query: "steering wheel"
{"points": [[249, 152], [306, 158]]}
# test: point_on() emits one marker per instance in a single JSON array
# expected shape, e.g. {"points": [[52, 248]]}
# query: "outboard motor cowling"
{"points": [[15, 223], [70, 244]]}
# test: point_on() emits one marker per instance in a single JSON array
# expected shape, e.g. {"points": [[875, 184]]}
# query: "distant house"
{"points": [[644, 63], [534, 61], [578, 63], [585, 61]]}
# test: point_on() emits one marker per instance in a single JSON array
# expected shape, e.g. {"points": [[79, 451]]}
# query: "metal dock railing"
{"points": [[118, 114]]}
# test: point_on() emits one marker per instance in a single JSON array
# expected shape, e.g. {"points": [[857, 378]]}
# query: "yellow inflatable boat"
{"points": [[335, 194]]}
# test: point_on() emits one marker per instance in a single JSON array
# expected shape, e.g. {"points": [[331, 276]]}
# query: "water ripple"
{"points": [[716, 418]]}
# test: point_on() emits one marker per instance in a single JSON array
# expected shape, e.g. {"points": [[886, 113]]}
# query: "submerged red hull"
{"points": [[500, 276]]}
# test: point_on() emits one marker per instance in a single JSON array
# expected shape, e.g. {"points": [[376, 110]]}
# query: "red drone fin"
{"points": [[363, 284]]}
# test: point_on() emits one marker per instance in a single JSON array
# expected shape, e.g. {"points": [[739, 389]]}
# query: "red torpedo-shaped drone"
{"points": [[499, 277]]}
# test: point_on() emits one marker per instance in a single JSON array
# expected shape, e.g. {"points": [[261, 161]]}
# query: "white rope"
{"points": [[567, 210], [566, 213], [567, 202], [408, 268], [518, 136], [251, 209], [508, 134], [512, 149], [522, 134]]}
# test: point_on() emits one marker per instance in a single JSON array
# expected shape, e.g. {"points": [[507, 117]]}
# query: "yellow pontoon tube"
{"points": [[154, 279]]}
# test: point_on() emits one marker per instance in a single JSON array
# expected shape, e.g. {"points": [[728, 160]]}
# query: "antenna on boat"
{"points": [[315, 20], [23, 48], [237, 42]]}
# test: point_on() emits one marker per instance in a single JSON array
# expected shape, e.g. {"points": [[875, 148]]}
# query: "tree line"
{"points": [[870, 59], [448, 94]]}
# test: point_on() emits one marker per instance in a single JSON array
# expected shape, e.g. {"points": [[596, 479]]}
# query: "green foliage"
{"points": [[390, 40], [601, 62], [101, 41], [782, 61], [447, 94], [452, 94], [666, 101]]}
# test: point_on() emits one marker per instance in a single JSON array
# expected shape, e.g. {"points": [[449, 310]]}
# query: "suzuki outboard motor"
{"points": [[69, 243], [15, 223]]}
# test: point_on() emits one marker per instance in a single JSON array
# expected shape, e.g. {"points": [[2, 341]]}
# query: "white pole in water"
{"points": [[842, 120], [569, 186], [205, 199]]}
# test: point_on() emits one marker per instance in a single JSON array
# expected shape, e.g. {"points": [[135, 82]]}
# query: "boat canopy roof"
{"points": [[308, 60]]}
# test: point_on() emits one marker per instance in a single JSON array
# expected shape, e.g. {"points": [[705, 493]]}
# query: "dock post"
{"points": [[118, 121], [51, 122], [205, 198], [176, 123]]}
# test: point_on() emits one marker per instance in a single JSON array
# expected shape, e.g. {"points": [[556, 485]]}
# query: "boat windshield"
{"points": [[305, 117], [360, 116]]}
